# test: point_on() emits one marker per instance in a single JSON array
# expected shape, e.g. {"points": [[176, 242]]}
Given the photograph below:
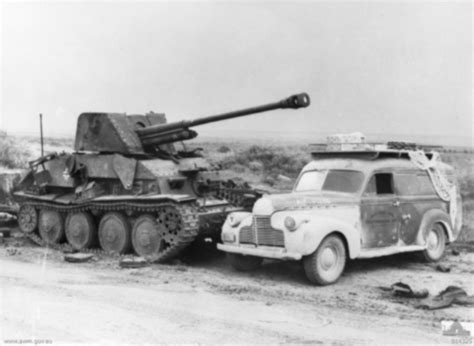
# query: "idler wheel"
{"points": [[27, 218], [114, 233], [51, 226], [80, 230], [147, 238]]}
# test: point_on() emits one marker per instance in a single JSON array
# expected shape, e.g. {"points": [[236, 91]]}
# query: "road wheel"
{"points": [[114, 233], [81, 230], [27, 219], [146, 237], [326, 264], [435, 240], [244, 263], [51, 226]]}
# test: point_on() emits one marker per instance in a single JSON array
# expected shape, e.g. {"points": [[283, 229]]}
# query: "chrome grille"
{"points": [[261, 232]]}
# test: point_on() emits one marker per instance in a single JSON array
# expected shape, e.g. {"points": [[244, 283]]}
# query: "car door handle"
{"points": [[396, 203]]}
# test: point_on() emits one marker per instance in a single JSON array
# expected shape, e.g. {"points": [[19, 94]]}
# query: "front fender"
{"points": [[316, 229]]}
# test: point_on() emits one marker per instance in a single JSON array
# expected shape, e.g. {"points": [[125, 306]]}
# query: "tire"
{"points": [[147, 241], [51, 226], [244, 263], [325, 265], [81, 230], [435, 238], [115, 233]]}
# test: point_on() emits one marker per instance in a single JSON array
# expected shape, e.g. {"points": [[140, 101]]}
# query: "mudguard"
{"points": [[317, 228], [433, 216]]}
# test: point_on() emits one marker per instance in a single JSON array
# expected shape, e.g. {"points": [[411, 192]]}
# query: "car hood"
{"points": [[297, 201]]}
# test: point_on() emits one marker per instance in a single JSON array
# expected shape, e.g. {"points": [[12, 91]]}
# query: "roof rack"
{"points": [[369, 150]]}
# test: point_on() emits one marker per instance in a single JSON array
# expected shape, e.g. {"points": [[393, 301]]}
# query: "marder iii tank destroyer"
{"points": [[128, 188]]}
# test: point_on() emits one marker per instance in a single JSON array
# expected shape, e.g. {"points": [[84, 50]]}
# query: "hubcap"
{"points": [[144, 237], [328, 258], [76, 231], [110, 235]]}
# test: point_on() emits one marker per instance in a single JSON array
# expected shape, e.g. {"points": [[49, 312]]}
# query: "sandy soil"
{"points": [[202, 300]]}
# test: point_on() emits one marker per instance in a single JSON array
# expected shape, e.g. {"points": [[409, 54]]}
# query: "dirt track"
{"points": [[45, 298]]}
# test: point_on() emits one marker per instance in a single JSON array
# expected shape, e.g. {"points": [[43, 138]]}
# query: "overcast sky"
{"points": [[377, 67]]}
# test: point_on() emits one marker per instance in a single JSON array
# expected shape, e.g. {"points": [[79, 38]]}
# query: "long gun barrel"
{"points": [[177, 131]]}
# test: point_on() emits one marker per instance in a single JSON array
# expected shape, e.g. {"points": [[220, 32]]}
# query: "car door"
{"points": [[380, 212]]}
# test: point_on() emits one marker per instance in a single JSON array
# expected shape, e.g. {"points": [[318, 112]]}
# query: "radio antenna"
{"points": [[41, 134]]}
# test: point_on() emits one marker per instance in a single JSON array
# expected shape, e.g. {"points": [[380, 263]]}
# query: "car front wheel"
{"points": [[326, 264], [435, 243], [244, 263]]}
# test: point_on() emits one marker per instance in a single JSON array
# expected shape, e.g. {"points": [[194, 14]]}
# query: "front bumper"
{"points": [[260, 251]]}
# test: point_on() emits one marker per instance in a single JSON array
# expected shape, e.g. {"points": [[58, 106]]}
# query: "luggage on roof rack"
{"points": [[354, 145]]}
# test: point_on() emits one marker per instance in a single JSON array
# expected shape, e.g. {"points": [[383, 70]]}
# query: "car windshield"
{"points": [[330, 180]]}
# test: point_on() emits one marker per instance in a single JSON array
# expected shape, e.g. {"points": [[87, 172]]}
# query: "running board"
{"points": [[390, 250]]}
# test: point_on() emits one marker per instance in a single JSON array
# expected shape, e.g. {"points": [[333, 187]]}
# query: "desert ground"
{"points": [[201, 299]]}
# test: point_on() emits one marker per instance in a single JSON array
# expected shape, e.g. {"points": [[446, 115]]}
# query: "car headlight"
{"points": [[234, 219], [290, 223]]}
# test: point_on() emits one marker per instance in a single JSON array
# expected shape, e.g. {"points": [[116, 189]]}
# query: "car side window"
{"points": [[380, 184], [414, 184]]}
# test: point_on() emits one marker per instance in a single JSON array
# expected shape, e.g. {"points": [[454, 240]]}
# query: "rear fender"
{"points": [[434, 216]]}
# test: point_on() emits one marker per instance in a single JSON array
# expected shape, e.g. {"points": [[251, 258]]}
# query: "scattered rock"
{"points": [[69, 251], [133, 262], [78, 257], [181, 268], [13, 251], [442, 268]]}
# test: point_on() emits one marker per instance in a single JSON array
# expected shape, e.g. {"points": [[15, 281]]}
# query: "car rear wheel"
{"points": [[244, 263], [435, 239], [325, 265]]}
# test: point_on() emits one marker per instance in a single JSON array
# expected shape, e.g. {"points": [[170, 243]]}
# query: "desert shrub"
{"points": [[13, 154], [255, 166], [223, 149], [268, 161], [238, 168]]}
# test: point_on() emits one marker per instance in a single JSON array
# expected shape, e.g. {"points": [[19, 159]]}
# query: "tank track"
{"points": [[188, 211]]}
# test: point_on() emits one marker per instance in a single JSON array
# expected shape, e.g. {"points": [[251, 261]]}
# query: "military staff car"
{"points": [[351, 201]]}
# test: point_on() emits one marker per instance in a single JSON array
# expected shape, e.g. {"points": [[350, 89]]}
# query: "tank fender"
{"points": [[316, 229], [430, 217]]}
